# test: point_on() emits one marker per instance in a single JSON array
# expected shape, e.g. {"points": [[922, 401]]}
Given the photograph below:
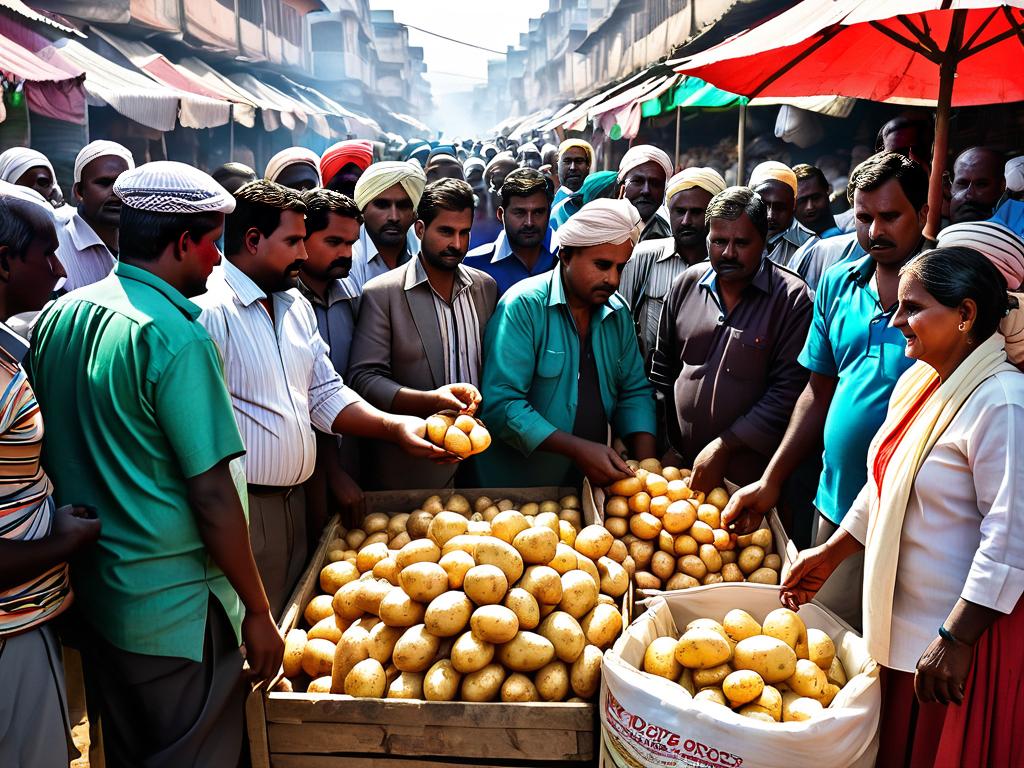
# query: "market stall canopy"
{"points": [[417, 125], [51, 91], [292, 112], [132, 94], [18, 7], [245, 103]]}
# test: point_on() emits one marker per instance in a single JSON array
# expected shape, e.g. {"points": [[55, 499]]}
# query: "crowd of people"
{"points": [[221, 361]]}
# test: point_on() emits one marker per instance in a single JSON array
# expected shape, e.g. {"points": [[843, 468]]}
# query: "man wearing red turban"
{"points": [[343, 163]]}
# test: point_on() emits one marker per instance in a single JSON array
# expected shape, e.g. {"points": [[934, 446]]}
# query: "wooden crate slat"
{"points": [[386, 761]]}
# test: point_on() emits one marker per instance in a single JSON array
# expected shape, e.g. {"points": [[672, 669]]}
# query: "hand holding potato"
{"points": [[748, 506], [409, 433], [599, 463], [458, 397]]}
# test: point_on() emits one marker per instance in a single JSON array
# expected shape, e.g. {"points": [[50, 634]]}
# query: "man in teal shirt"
{"points": [[143, 430], [561, 362]]}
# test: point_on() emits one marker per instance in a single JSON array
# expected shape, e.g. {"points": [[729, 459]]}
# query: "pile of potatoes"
{"points": [[460, 602], [460, 434], [674, 536], [777, 671]]}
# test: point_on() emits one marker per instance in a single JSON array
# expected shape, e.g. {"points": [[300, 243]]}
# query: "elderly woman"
{"points": [[941, 525]]}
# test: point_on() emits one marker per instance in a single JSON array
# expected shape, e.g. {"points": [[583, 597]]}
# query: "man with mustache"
{"points": [[417, 343], [855, 357], [280, 376], [88, 241], [523, 247], [657, 263], [727, 346], [643, 172], [575, 159], [777, 185], [561, 364], [978, 183]]}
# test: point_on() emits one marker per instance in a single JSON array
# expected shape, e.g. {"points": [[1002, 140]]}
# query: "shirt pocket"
{"points": [[551, 363], [746, 355]]}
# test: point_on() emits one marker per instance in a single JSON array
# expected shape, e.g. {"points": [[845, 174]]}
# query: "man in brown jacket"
{"points": [[418, 337]]}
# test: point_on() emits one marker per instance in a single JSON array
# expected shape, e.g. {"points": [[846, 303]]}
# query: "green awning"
{"points": [[691, 93]]}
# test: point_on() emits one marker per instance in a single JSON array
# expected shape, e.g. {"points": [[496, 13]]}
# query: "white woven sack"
{"points": [[652, 722]]}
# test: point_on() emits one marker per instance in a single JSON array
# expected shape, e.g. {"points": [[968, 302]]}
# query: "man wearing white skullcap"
{"points": [[656, 263], [148, 441], [529, 156], [777, 185], [89, 239], [575, 159], [27, 168], [387, 195], [561, 363], [296, 168], [643, 174]]}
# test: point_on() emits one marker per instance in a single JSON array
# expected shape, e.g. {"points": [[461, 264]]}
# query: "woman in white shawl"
{"points": [[941, 523]]}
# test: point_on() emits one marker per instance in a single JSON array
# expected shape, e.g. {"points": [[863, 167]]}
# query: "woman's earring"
{"points": [[962, 327]]}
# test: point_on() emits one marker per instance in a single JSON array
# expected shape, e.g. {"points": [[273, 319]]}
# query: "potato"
{"points": [[663, 565], [344, 602], [712, 578], [565, 558], [820, 648], [837, 673], [660, 659], [772, 561], [543, 583], [397, 609], [617, 526], [446, 526], [785, 625], [685, 678], [808, 679], [655, 484], [645, 580], [369, 556], [419, 551], [742, 687], [628, 486], [536, 545], [750, 559], [524, 606], [616, 506], [382, 640], [731, 572], [762, 538], [552, 681], [366, 680], [710, 514], [415, 649], [456, 564], [764, 576], [614, 579], [355, 646], [565, 634], [702, 649], [457, 502], [677, 490], [711, 558], [642, 552], [334, 576], [681, 581], [408, 685], [517, 688], [659, 505], [640, 502], [493, 551], [573, 516], [566, 532], [494, 623], [388, 570], [294, 648], [355, 538], [526, 652], [579, 593], [712, 695], [723, 540], [678, 517], [547, 520], [418, 524], [617, 551], [594, 541], [770, 657], [485, 584], [328, 628], [645, 526], [629, 565], [770, 700], [441, 683], [505, 504], [484, 684], [318, 608], [710, 678], [318, 657], [370, 593], [320, 685], [702, 533], [796, 708], [739, 625], [693, 566], [530, 509], [585, 672], [719, 497], [470, 653], [602, 625], [685, 545], [755, 712], [448, 614], [585, 564]]}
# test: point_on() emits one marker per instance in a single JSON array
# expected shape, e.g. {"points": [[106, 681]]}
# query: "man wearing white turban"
{"points": [[657, 262], [777, 185], [561, 363], [27, 168], [643, 174], [89, 240], [387, 195], [296, 168]]}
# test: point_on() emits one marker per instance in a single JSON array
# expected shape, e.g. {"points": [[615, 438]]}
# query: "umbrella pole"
{"points": [[741, 146], [678, 110], [940, 150]]}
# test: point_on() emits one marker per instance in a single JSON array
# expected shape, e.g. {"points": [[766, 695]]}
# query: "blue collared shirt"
{"points": [[498, 261]]}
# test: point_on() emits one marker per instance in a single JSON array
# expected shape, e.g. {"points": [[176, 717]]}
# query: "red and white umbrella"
{"points": [[940, 53]]}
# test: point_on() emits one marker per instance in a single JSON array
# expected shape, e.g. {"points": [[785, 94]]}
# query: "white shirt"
{"points": [[279, 375], [85, 257], [963, 534], [367, 263]]}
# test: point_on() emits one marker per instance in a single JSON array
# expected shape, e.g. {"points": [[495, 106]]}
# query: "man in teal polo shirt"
{"points": [[855, 357], [144, 432], [561, 362]]}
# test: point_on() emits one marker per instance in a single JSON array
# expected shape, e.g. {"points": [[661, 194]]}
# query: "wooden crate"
{"points": [[303, 730]]}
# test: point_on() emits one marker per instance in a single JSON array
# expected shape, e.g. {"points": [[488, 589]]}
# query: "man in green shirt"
{"points": [[143, 430], [561, 362]]}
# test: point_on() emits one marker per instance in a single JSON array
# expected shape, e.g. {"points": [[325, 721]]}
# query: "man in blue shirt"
{"points": [[855, 357], [523, 248]]}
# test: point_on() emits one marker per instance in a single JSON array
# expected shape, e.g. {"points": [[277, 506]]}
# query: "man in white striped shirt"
{"points": [[418, 338], [280, 377]]}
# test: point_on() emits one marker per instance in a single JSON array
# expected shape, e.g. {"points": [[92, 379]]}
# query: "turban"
{"points": [[596, 185], [15, 161], [602, 221], [382, 176], [1012, 328], [772, 170], [708, 179], [473, 162], [994, 241], [417, 150], [443, 149], [579, 144], [501, 157], [358, 152], [99, 149], [293, 156], [644, 153], [1014, 172], [488, 147], [165, 186], [528, 147]]}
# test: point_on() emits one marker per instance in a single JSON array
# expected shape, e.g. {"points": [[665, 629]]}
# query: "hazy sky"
{"points": [[488, 23]]}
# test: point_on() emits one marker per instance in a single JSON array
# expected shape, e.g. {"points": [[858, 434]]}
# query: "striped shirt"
{"points": [[461, 335], [26, 503], [279, 374]]}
